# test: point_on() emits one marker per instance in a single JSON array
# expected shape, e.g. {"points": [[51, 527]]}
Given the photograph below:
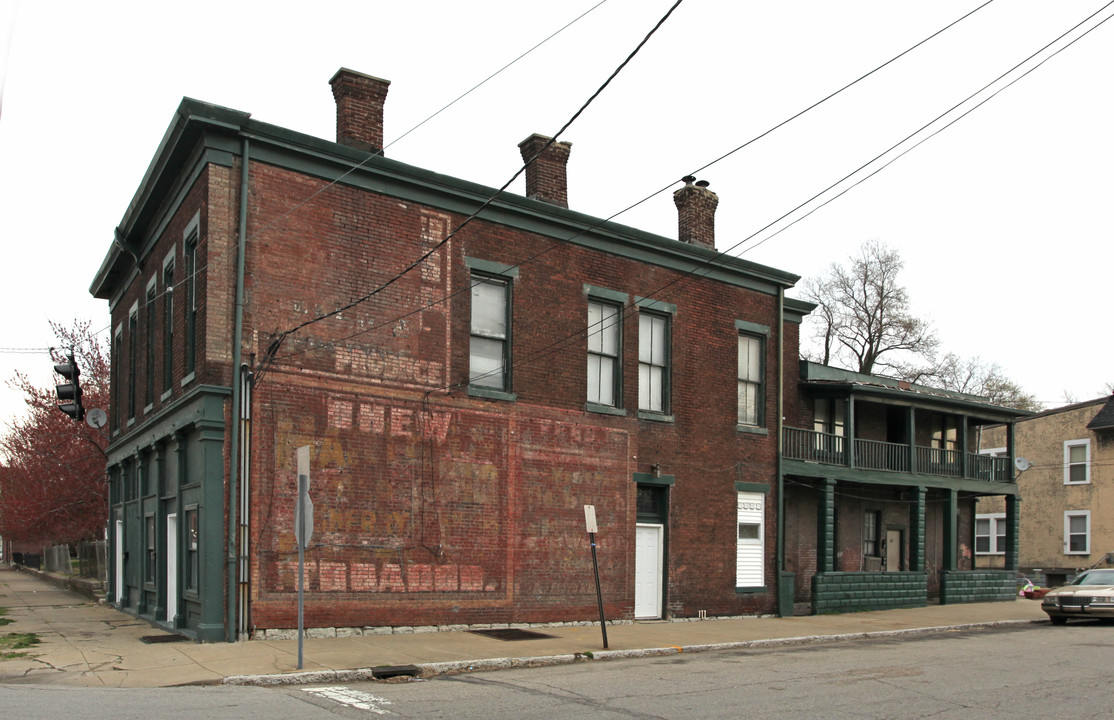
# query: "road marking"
{"points": [[352, 698]]}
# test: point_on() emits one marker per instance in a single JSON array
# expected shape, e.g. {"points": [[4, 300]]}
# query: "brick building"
{"points": [[465, 387]]}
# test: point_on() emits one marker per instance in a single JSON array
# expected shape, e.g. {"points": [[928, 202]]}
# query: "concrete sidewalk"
{"points": [[87, 644]]}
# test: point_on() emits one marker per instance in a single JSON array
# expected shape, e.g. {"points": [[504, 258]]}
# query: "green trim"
{"points": [[651, 479], [741, 486], [491, 267], [491, 393], [752, 429], [743, 589], [198, 126], [202, 408], [795, 310], [660, 306], [606, 294], [655, 417], [801, 468], [751, 327], [604, 409]]}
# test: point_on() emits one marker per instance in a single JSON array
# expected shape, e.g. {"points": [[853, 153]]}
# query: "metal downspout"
{"points": [[234, 441], [780, 561]]}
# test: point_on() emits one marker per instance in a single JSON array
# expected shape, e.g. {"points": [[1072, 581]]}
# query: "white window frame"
{"points": [[752, 366], [1068, 515], [750, 553], [605, 347], [1068, 445], [997, 524]]}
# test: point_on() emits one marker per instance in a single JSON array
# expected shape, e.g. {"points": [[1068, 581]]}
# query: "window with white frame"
{"points": [[1077, 462], [750, 380], [604, 367], [192, 289], [490, 340], [653, 362], [133, 356], [750, 570], [990, 534], [1077, 532], [168, 322]]}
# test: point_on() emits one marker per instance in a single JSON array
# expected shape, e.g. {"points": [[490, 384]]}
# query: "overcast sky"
{"points": [[1003, 218]]}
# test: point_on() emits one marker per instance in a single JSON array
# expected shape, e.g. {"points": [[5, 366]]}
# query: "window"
{"points": [[990, 534], [750, 380], [750, 568], [1077, 532], [168, 323], [945, 432], [114, 374], [604, 367], [149, 342], [133, 352], [653, 362], [192, 566], [828, 421], [1077, 462], [871, 522], [151, 566], [490, 341], [191, 298]]}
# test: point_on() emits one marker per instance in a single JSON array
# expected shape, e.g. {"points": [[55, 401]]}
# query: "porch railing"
{"points": [[829, 449]]}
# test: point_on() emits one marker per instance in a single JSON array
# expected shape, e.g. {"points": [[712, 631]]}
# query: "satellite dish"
{"points": [[1021, 464], [96, 418]]}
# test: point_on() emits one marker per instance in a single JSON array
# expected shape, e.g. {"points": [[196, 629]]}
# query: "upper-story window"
{"points": [[945, 432], [1077, 462], [604, 361], [114, 374], [653, 362], [133, 356], [751, 395], [149, 343], [191, 272], [168, 323], [489, 346]]}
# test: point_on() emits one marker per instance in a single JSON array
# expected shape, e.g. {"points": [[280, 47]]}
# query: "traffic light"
{"points": [[70, 392]]}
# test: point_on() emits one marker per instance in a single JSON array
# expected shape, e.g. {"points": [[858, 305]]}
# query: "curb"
{"points": [[456, 667]]}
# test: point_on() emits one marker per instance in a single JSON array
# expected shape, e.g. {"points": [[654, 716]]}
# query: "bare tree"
{"points": [[863, 320], [977, 377]]}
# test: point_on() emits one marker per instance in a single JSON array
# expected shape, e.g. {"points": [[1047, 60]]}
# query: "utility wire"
{"points": [[655, 193], [269, 355]]}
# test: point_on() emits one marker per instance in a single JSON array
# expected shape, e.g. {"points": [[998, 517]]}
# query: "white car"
{"points": [[1089, 595]]}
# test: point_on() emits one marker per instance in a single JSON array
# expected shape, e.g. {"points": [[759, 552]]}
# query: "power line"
{"points": [[269, 355], [656, 192]]}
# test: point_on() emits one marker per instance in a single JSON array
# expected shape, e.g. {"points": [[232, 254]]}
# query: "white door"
{"points": [[119, 586], [171, 567], [648, 553]]}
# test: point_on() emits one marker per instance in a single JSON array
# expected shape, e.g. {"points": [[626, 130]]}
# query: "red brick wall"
{"points": [[434, 507]]}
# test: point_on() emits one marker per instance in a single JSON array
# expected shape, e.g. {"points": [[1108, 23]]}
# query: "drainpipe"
{"points": [[780, 561], [234, 440]]}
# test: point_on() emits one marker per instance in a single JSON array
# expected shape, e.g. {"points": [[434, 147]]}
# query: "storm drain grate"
{"points": [[511, 634], [152, 639]]}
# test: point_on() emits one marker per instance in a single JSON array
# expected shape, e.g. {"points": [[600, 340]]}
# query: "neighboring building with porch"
{"points": [[880, 493], [1067, 493]]}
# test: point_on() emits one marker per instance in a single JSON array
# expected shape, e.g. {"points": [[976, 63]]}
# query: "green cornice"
{"points": [[219, 129], [801, 468], [202, 408]]}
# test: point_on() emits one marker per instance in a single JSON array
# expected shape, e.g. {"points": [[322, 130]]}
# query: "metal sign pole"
{"points": [[303, 529], [590, 521]]}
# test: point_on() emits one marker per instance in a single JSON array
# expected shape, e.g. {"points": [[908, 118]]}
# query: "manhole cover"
{"points": [[511, 634], [149, 639]]}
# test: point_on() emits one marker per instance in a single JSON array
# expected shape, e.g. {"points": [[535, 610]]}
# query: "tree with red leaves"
{"points": [[52, 485]]}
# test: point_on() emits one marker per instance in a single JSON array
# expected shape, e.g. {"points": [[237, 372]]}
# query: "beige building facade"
{"points": [[1065, 476]]}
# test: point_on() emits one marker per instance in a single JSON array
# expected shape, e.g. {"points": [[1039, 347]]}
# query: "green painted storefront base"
{"points": [[786, 587], [839, 592], [967, 586]]}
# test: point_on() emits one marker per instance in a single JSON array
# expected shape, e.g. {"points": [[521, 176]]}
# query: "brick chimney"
{"points": [[546, 178], [696, 213], [360, 101]]}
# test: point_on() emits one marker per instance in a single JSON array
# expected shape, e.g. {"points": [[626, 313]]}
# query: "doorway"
{"points": [[648, 556], [894, 551], [171, 567], [118, 588]]}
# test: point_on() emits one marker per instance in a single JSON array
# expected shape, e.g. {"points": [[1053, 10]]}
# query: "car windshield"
{"points": [[1094, 577]]}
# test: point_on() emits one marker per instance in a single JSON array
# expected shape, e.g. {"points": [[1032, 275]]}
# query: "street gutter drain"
{"points": [[151, 639], [511, 634]]}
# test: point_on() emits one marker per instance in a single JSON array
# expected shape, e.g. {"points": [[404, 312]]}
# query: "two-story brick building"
{"points": [[470, 369]]}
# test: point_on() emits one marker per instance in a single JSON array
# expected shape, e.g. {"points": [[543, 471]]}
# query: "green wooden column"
{"points": [[825, 530], [951, 531], [1013, 528], [917, 530]]}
